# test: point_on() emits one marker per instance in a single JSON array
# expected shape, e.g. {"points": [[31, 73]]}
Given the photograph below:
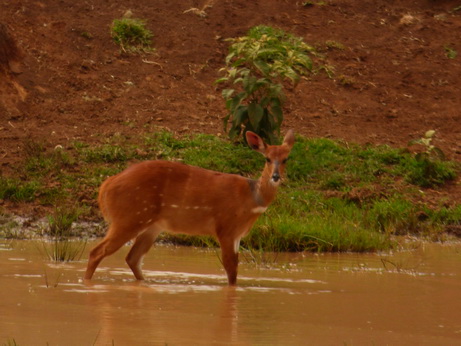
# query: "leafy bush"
{"points": [[131, 34], [256, 66]]}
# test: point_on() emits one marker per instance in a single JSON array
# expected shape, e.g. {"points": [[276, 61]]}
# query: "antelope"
{"points": [[154, 196]]}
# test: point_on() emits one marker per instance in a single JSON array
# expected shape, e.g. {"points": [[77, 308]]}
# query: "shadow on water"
{"points": [[400, 299]]}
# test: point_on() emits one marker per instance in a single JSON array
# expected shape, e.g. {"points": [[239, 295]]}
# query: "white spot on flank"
{"points": [[163, 204], [149, 221], [138, 213], [196, 207], [258, 210], [174, 206], [145, 209]]}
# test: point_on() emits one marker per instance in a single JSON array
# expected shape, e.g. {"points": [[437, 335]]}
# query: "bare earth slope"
{"points": [[393, 79]]}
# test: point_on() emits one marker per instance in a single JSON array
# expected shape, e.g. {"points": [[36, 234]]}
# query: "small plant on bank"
{"points": [[312, 3], [131, 35], [256, 67], [430, 167], [330, 44], [450, 52], [431, 151]]}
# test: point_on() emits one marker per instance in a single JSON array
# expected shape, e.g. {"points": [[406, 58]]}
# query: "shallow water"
{"points": [[409, 298]]}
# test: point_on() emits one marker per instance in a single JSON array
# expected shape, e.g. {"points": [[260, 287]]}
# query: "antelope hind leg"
{"points": [[141, 246]]}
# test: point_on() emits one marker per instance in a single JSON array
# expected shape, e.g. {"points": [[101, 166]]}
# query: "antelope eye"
{"points": [[268, 160]]}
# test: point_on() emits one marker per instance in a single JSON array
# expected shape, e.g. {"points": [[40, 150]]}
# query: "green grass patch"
{"points": [[18, 191], [337, 196]]}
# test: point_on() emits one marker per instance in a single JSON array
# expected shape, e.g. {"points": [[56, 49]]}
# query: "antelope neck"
{"points": [[263, 190]]}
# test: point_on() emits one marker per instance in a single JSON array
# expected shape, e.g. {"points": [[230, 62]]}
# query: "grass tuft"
{"points": [[62, 247], [131, 35]]}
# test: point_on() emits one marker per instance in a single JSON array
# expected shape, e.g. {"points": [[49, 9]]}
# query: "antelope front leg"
{"points": [[229, 251]]}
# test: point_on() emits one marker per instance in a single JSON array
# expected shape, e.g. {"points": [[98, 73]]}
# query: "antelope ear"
{"points": [[289, 139], [255, 142]]}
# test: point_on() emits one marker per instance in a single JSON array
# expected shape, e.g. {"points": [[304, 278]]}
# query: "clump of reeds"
{"points": [[62, 246]]}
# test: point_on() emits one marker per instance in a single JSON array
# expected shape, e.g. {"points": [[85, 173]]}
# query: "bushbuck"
{"points": [[154, 196]]}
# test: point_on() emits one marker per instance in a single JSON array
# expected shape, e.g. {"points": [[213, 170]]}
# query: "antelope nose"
{"points": [[275, 177]]}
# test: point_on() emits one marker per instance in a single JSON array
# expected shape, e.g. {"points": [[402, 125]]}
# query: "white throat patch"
{"points": [[258, 210]]}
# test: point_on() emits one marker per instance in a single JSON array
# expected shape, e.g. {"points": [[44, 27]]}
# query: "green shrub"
{"points": [[429, 168], [256, 66], [131, 35]]}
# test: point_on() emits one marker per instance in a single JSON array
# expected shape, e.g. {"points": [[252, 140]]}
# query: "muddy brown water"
{"points": [[406, 298]]}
